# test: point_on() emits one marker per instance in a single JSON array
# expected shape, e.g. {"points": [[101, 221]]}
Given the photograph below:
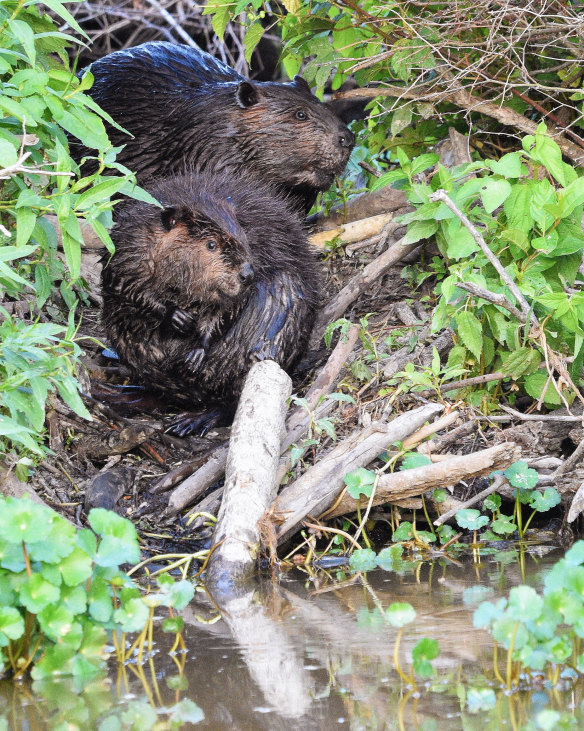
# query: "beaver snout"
{"points": [[347, 138], [246, 273]]}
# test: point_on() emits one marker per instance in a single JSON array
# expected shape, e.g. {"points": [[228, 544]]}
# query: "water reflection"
{"points": [[316, 652]]}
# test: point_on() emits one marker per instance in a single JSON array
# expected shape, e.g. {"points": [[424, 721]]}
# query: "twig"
{"points": [[442, 195], [496, 299], [563, 419], [358, 284], [497, 483], [570, 462]]}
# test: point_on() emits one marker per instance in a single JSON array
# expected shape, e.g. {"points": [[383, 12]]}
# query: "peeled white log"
{"points": [[250, 473]]}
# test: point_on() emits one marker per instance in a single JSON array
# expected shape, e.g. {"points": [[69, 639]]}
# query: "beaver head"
{"points": [[307, 143], [199, 256]]}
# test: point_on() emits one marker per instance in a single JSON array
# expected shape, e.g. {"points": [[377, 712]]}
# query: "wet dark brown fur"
{"points": [[199, 290], [188, 111]]}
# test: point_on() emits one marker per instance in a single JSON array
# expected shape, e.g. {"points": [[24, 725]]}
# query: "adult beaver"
{"points": [[198, 290], [188, 111]]}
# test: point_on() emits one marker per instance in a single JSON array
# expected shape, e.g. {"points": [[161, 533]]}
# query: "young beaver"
{"points": [[188, 111], [197, 291]]}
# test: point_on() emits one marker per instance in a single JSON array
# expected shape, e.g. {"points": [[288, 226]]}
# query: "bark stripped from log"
{"points": [[412, 482], [318, 488], [250, 473], [354, 231]]}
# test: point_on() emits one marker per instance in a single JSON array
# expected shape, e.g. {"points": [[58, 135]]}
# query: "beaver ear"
{"points": [[247, 94], [301, 84], [168, 218]]}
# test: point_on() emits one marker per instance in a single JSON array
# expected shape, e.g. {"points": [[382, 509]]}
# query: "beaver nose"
{"points": [[347, 138], [246, 273]]}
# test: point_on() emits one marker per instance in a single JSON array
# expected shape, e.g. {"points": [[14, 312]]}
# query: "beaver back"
{"points": [[187, 110]]}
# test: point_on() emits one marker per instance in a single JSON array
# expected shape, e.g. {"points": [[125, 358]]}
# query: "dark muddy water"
{"points": [[315, 652]]}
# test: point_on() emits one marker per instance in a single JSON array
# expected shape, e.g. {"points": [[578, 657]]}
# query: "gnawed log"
{"points": [[318, 488], [250, 473], [365, 205], [416, 481], [355, 231]]}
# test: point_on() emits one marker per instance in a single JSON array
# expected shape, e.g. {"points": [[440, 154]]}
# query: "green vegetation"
{"points": [[45, 110], [63, 592]]}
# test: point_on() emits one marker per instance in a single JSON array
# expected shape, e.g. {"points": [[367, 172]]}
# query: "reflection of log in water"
{"points": [[271, 658], [276, 629]]}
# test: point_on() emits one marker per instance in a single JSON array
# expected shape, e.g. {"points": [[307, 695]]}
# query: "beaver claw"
{"points": [[182, 321], [191, 422]]}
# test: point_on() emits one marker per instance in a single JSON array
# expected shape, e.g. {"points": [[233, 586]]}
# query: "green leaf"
{"points": [[363, 560], [506, 629], [521, 475], [423, 653], [119, 542], [480, 700], [132, 615], [11, 625], [524, 603], [25, 223], [400, 613], [504, 525], [401, 119], [543, 502], [63, 13], [184, 712], [360, 482], [415, 459], [36, 593], [535, 384], [471, 519], [404, 532], [521, 362], [8, 154], [470, 331], [76, 567], [494, 193], [25, 35], [419, 230], [509, 166], [252, 38]]}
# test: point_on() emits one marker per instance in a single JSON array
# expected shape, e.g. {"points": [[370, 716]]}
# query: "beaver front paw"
{"points": [[195, 359], [197, 422], [182, 321]]}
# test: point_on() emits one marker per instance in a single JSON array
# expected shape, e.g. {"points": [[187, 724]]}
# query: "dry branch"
{"points": [[440, 474], [250, 473], [358, 284], [497, 483], [318, 488]]}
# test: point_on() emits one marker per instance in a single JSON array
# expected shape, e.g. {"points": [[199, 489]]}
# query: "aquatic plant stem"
{"points": [[510, 656], [496, 665], [397, 666]]}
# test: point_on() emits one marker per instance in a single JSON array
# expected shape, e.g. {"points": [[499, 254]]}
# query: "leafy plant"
{"points": [[63, 591], [45, 109]]}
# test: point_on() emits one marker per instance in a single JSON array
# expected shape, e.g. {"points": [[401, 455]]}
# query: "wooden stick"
{"points": [[442, 423], [189, 490], [324, 381], [439, 474], [496, 299], [250, 472], [358, 284], [318, 488], [496, 484]]}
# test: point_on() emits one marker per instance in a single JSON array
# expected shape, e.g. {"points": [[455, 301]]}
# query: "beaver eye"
{"points": [[211, 245], [301, 114]]}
